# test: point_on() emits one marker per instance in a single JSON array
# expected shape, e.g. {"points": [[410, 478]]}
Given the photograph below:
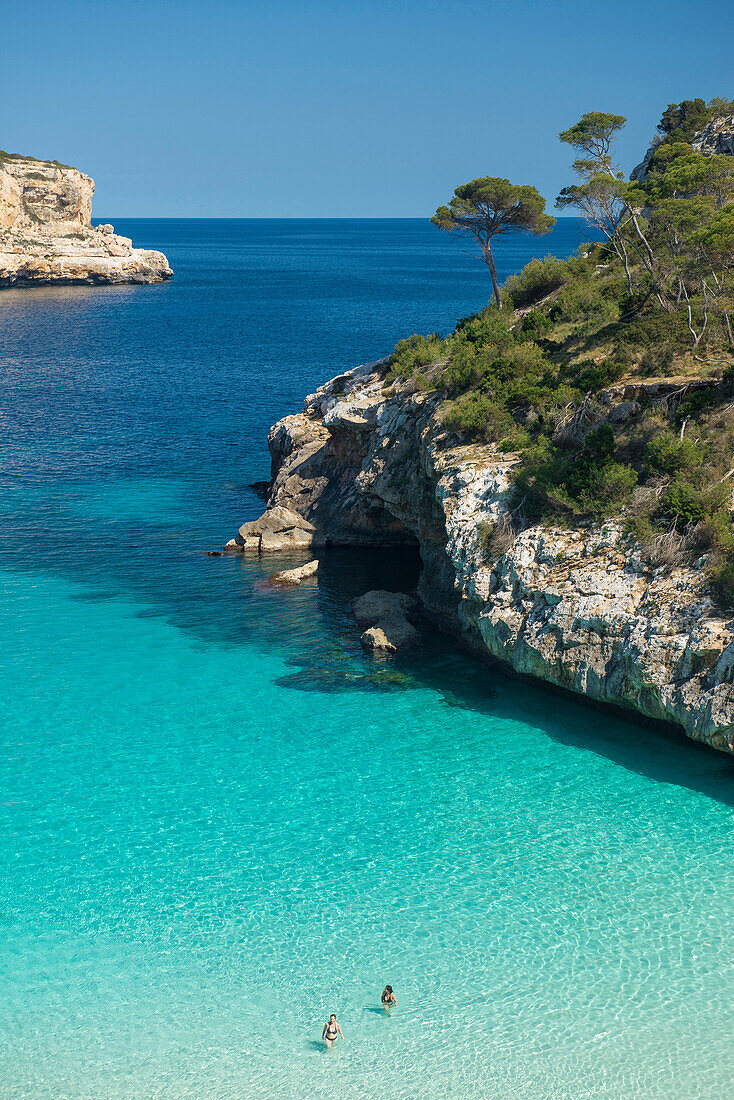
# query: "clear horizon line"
{"points": [[278, 218]]}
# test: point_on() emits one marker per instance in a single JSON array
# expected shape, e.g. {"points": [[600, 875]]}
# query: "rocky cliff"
{"points": [[369, 465], [716, 139], [46, 235]]}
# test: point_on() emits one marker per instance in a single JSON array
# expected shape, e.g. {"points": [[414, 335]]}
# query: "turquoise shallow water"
{"points": [[220, 821]]}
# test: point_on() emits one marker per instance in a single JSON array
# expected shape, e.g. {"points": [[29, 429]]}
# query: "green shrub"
{"points": [[596, 376], [489, 328], [537, 482], [599, 444], [584, 301], [670, 455], [683, 502], [639, 526], [468, 368], [590, 482], [654, 328], [416, 351], [479, 415], [537, 280], [696, 402], [609, 487], [517, 440], [524, 359], [535, 323], [714, 532]]}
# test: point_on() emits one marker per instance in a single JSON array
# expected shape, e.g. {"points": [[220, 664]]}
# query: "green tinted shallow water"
{"points": [[219, 821]]}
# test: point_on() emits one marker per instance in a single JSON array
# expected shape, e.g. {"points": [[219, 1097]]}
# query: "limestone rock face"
{"points": [[717, 137], [46, 235], [639, 172], [365, 464]]}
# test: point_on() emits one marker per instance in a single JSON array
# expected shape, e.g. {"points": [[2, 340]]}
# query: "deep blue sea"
{"points": [[220, 821]]}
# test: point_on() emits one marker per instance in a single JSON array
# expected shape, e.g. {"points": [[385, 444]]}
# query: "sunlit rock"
{"points": [[46, 234]]}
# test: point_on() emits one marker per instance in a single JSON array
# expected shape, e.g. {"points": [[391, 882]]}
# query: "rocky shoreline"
{"points": [[367, 464], [46, 234]]}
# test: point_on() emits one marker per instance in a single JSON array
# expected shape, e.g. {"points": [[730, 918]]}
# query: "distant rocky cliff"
{"points": [[369, 465], [46, 235], [716, 138]]}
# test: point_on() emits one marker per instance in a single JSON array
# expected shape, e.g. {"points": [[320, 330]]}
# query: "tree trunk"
{"points": [[489, 260], [648, 259], [622, 253], [727, 324], [696, 336]]}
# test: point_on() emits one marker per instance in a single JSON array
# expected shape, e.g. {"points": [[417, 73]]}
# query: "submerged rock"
{"points": [[46, 233], [389, 635], [379, 604], [289, 577], [385, 612]]}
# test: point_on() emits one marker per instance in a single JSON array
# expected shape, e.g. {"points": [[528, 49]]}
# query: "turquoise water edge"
{"points": [[221, 821]]}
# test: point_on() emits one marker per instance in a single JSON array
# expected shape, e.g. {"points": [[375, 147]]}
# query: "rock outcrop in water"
{"points": [[385, 616], [369, 465], [46, 235], [288, 578]]}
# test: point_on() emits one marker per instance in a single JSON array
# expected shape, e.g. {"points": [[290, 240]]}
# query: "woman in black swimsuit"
{"points": [[331, 1031], [388, 998]]}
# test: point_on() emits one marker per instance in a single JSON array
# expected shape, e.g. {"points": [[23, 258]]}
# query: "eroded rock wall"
{"points": [[716, 138], [46, 235], [364, 464]]}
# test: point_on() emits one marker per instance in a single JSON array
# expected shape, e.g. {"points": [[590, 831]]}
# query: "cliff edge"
{"points": [[370, 464], [46, 235], [564, 459]]}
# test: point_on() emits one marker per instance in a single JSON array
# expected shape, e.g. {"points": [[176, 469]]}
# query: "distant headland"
{"points": [[46, 233]]}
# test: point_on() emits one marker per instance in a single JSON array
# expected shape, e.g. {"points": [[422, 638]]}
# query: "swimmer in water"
{"points": [[388, 998], [331, 1031]]}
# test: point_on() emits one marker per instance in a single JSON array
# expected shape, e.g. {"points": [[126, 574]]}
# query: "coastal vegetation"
{"points": [[610, 374], [487, 207]]}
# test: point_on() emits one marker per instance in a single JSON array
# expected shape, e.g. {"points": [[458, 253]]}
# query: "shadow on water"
{"points": [[223, 602], [134, 419], [316, 1047], [658, 751], [463, 681]]}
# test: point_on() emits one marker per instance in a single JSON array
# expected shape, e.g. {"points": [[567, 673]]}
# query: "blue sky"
{"points": [[248, 108]]}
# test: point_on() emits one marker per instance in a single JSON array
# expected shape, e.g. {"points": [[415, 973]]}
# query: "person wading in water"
{"points": [[331, 1031], [388, 998]]}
